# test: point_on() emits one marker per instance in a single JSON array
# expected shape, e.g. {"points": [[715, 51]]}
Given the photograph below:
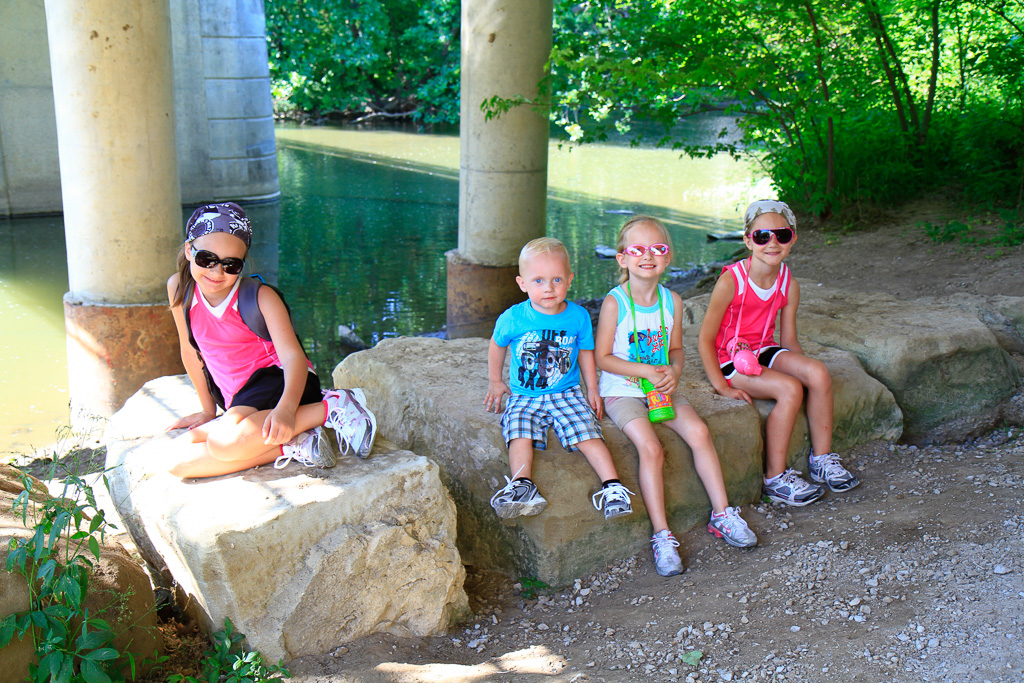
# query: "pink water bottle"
{"points": [[743, 358]]}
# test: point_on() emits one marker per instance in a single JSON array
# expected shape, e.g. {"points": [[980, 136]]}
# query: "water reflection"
{"points": [[358, 239]]}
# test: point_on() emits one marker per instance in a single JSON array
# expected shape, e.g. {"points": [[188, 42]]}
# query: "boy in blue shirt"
{"points": [[551, 340]]}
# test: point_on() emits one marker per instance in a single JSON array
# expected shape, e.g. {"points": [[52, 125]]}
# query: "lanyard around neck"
{"points": [[661, 312]]}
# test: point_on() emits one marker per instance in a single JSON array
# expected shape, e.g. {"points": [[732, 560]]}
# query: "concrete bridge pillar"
{"points": [[504, 165], [114, 103]]}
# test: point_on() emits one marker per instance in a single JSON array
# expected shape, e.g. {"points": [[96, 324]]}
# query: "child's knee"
{"points": [[791, 390], [818, 377], [651, 453]]}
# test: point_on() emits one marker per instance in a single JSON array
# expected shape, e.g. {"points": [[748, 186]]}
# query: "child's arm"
{"points": [[787, 323], [721, 296], [676, 354], [193, 366], [589, 371], [496, 387], [279, 426]]}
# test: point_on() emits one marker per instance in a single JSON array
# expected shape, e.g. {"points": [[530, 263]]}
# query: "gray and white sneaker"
{"points": [[790, 488], [519, 497], [732, 528], [310, 449], [351, 420], [614, 499], [828, 469], [666, 557]]}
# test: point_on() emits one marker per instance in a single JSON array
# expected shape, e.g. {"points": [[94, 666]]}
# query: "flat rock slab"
{"points": [[427, 395], [942, 359], [300, 559]]}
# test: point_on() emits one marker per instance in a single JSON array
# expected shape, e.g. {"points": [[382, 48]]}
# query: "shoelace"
{"points": [[831, 466], [508, 483], [349, 414], [613, 493], [664, 543], [792, 477], [294, 451], [731, 516]]}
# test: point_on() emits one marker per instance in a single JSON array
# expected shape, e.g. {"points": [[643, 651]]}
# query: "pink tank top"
{"points": [[231, 350], [754, 316]]}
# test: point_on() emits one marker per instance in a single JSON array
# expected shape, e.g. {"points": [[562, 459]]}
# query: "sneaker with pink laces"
{"points": [[730, 527]]}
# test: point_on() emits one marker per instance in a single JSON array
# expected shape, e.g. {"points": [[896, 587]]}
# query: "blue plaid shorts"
{"points": [[568, 413]]}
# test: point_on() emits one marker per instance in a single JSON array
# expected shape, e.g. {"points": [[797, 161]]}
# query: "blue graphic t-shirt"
{"points": [[544, 347]]}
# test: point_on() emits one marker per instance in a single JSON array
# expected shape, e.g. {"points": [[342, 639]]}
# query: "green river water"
{"points": [[358, 239]]}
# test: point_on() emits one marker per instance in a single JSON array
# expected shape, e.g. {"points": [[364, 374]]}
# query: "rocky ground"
{"points": [[917, 575]]}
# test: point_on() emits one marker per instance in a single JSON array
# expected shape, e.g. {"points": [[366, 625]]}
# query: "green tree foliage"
{"points": [[843, 102], [386, 58]]}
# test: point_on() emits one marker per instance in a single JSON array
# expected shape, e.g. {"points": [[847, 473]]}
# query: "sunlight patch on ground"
{"points": [[533, 661]]}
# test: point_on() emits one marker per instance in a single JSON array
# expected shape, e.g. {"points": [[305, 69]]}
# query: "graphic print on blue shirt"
{"points": [[544, 358], [650, 349]]}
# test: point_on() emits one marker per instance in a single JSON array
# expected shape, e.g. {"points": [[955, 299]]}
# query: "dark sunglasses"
{"points": [[762, 237], [207, 259]]}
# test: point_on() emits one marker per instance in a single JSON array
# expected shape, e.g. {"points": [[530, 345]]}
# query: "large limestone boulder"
{"points": [[119, 590], [428, 395], [299, 559], [941, 359]]}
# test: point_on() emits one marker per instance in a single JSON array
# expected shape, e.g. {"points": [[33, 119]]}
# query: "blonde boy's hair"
{"points": [[622, 243], [542, 245]]}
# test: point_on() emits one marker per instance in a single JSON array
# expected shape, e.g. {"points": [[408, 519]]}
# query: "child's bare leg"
{"points": [[815, 376], [695, 433], [652, 475], [597, 454], [234, 442], [520, 458], [788, 394]]}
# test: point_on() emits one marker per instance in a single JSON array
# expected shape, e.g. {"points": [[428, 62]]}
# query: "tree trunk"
{"points": [[830, 161]]}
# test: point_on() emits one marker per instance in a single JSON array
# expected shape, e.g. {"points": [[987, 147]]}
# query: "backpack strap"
{"points": [[249, 305]]}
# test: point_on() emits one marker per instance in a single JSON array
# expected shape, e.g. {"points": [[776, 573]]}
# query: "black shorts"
{"points": [[765, 357], [265, 387]]}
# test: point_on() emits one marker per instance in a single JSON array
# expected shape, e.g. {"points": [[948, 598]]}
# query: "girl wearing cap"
{"points": [[273, 406], [741, 316]]}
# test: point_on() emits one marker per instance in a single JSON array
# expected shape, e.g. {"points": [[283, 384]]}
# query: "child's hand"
{"points": [[597, 403], [192, 421], [731, 392], [665, 379], [279, 427], [495, 390]]}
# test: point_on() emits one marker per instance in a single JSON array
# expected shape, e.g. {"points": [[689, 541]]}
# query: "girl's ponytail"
{"points": [[184, 277]]}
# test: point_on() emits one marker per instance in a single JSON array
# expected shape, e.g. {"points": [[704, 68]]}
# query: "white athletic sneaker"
{"points": [[310, 449], [351, 420], [614, 499], [666, 557], [733, 528], [790, 488]]}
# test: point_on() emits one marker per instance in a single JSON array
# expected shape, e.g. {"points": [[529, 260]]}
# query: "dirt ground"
{"points": [[917, 575]]}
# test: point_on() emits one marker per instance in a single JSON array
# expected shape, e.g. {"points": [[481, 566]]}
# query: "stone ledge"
{"points": [[299, 559], [428, 396]]}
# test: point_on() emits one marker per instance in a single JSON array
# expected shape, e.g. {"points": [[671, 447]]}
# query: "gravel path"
{"points": [[917, 575]]}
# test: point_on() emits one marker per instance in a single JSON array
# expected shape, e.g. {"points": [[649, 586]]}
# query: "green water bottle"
{"points": [[659, 405]]}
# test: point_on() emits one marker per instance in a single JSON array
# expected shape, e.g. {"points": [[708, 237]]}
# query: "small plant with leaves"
{"points": [[71, 643], [230, 662], [531, 587]]}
